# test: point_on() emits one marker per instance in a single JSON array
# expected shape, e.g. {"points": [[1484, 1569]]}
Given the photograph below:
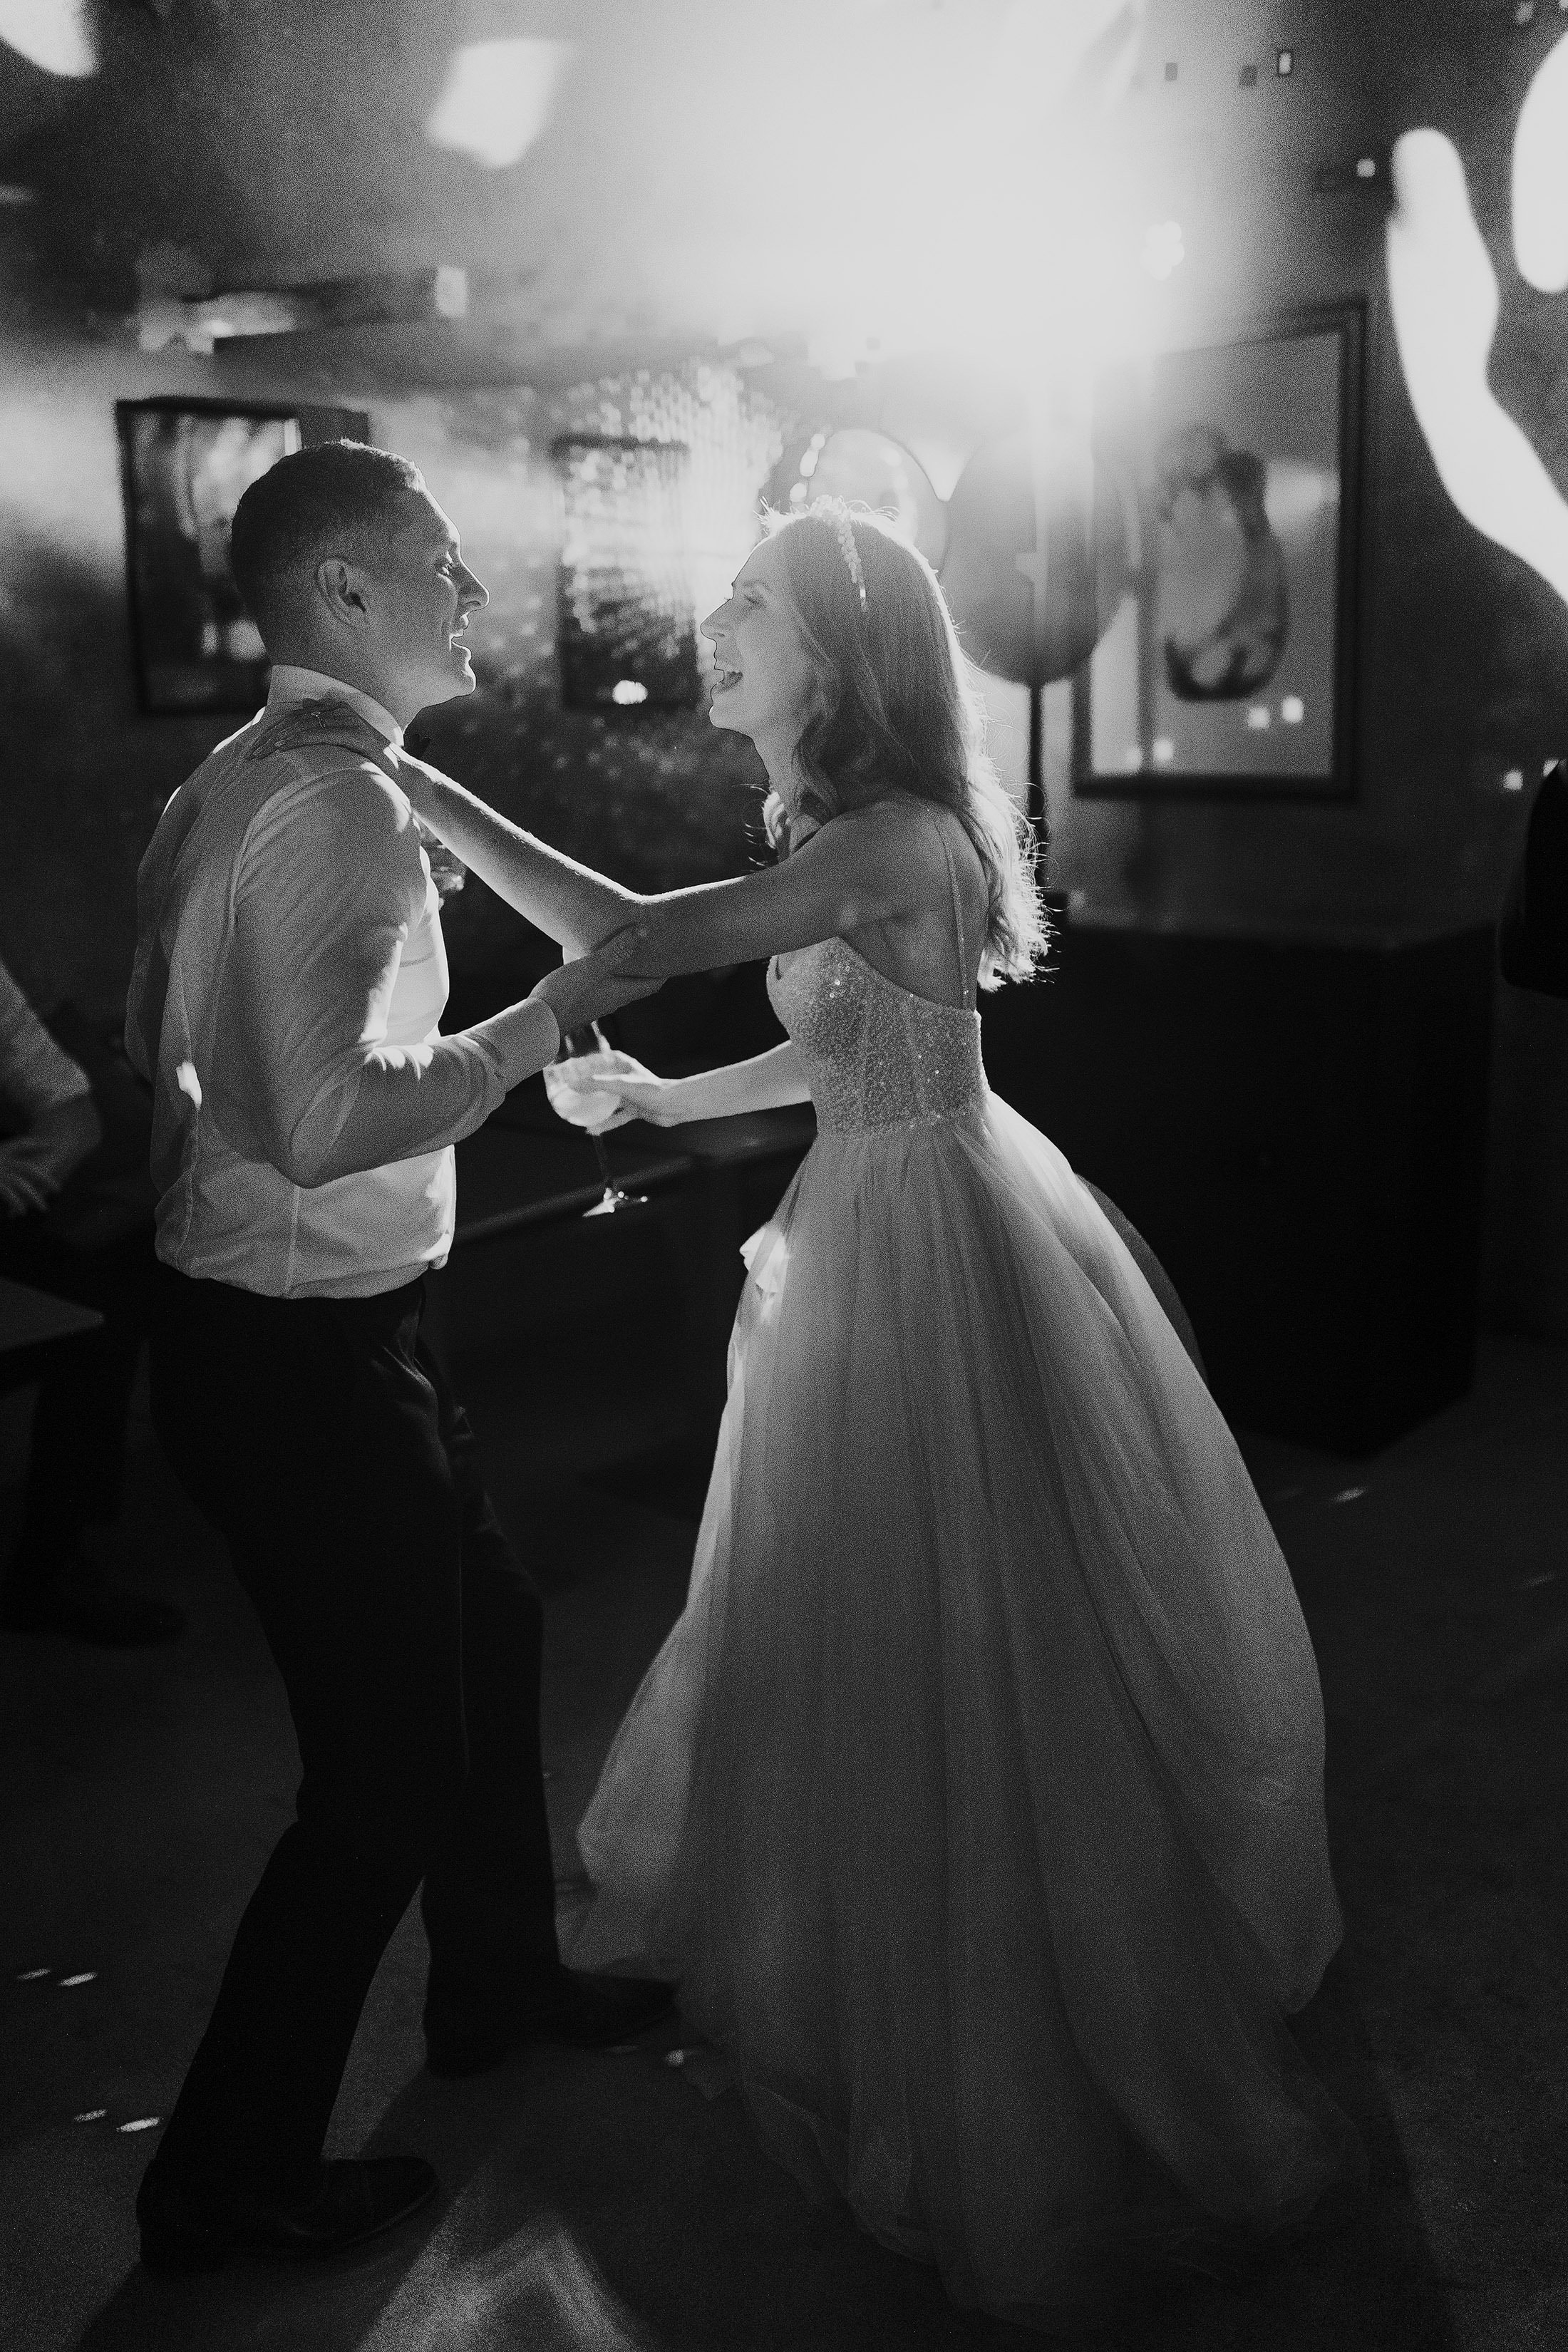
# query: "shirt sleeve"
{"points": [[328, 890], [36, 1075]]}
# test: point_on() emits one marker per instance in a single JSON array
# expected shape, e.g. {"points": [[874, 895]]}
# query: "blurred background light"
{"points": [[50, 33], [1443, 294], [1541, 177], [498, 98], [1164, 249]]}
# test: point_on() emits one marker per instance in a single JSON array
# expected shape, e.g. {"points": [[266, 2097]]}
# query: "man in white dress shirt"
{"points": [[289, 985]]}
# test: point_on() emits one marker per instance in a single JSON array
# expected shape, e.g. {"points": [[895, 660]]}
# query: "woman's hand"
{"points": [[642, 1094]]}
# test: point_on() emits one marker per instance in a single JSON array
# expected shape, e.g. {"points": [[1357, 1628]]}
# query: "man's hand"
{"points": [[586, 990]]}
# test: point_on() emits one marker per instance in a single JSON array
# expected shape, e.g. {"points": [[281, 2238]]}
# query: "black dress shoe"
{"points": [[351, 2198], [105, 1615], [587, 2013]]}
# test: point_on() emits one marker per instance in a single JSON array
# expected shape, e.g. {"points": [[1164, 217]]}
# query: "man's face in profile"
{"points": [[421, 594]]}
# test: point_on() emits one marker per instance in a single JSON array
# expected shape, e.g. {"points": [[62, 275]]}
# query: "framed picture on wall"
{"points": [[627, 630], [1228, 667], [185, 466]]}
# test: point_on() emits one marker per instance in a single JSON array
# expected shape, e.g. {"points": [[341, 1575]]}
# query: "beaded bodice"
{"points": [[876, 1055]]}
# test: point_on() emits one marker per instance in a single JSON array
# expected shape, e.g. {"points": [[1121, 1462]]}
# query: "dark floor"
{"points": [[601, 2202]]}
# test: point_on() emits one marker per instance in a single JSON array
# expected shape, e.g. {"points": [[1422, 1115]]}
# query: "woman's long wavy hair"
{"points": [[896, 711]]}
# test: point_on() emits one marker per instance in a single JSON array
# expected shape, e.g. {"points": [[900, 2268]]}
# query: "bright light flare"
{"points": [[1443, 294], [1541, 177], [498, 98], [1164, 249], [1022, 250], [52, 34]]}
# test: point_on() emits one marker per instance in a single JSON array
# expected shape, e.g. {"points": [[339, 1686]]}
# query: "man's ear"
{"points": [[341, 587]]}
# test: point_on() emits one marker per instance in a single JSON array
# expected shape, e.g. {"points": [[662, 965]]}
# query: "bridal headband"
{"points": [[850, 553]]}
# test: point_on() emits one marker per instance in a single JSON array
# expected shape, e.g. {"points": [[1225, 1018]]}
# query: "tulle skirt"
{"points": [[976, 1797]]}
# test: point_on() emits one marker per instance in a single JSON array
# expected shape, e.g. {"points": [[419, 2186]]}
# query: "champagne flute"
{"points": [[589, 1108]]}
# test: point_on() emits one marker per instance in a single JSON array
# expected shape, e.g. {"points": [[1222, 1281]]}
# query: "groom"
{"points": [[288, 988]]}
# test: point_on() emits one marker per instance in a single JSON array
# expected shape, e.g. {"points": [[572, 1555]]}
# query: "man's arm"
{"points": [[329, 894]]}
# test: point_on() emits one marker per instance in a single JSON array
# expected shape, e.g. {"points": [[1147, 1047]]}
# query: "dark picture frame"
{"points": [[183, 465], [1228, 669]]}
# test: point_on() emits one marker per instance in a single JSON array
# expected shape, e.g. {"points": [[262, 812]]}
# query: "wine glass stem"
{"points": [[603, 1156]]}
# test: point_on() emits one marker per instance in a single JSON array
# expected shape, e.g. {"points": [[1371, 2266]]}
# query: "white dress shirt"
{"points": [[290, 977]]}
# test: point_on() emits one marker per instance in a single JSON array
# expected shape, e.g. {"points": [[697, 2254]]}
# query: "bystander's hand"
{"points": [[34, 1166]]}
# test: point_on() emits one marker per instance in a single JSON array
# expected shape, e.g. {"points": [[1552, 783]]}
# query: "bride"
{"points": [[975, 1799]]}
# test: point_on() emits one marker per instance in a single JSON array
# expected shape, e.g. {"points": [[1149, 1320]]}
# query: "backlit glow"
{"points": [[498, 98], [50, 33], [1022, 250], [1164, 249], [1443, 294], [627, 690], [1541, 177], [1293, 711]]}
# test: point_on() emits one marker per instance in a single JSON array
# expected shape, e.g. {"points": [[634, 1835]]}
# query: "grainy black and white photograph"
{"points": [[784, 1175]]}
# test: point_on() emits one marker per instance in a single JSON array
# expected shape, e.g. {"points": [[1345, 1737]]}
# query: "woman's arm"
{"points": [[864, 867], [569, 902], [765, 1082]]}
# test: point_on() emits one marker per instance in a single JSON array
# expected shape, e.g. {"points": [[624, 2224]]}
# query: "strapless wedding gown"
{"points": [[976, 1797]]}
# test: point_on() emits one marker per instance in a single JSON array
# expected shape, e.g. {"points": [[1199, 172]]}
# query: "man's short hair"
{"points": [[290, 516]]}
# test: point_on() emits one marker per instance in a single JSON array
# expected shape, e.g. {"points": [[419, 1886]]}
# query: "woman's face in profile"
{"points": [[763, 681]]}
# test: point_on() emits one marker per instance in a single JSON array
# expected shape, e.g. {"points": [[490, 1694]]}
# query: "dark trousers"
{"points": [[76, 1466], [321, 1437]]}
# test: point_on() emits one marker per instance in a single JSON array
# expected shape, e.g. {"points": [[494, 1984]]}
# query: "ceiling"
{"points": [[841, 179]]}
